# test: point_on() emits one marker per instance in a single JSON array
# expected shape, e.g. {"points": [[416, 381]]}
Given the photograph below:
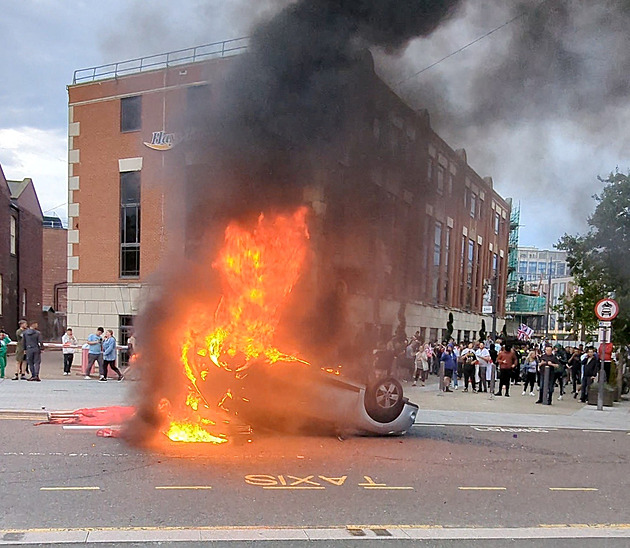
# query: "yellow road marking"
{"points": [[289, 487], [69, 488], [482, 488], [176, 487], [573, 489], [385, 488]]}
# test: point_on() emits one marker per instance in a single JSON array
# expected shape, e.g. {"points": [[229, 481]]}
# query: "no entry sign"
{"points": [[606, 309]]}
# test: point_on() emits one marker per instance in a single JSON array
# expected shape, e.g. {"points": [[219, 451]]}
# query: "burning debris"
{"points": [[235, 328]]}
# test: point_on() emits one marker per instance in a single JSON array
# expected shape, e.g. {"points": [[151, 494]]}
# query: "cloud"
{"points": [[42, 156]]}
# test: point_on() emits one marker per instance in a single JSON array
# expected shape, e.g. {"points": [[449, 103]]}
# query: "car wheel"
{"points": [[384, 400]]}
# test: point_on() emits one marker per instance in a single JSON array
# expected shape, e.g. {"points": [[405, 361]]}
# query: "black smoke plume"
{"points": [[263, 134]]}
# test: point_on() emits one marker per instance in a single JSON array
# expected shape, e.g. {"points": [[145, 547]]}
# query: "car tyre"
{"points": [[384, 400]]}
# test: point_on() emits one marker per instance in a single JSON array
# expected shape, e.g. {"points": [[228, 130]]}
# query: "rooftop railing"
{"points": [[186, 56]]}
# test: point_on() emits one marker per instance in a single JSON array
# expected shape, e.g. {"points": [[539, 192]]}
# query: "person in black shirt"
{"points": [[591, 365], [547, 360], [33, 346]]}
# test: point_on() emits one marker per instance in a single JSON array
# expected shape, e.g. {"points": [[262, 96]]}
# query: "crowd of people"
{"points": [[101, 349], [478, 367]]}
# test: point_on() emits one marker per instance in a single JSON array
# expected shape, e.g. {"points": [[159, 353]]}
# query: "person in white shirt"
{"points": [[484, 359], [69, 341]]}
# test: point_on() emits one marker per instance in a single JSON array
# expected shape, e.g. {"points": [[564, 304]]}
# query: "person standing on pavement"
{"points": [[450, 367], [592, 366], [469, 360], [531, 367], [422, 365], [560, 372], [485, 360], [20, 373], [4, 346], [109, 356], [95, 353], [605, 352], [68, 341], [33, 347], [507, 363], [547, 361], [575, 365]]}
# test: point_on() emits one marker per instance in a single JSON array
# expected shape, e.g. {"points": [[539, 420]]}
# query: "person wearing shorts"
{"points": [[20, 357], [95, 354]]}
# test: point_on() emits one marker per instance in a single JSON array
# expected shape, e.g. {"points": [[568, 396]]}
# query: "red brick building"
{"points": [[20, 252], [440, 236]]}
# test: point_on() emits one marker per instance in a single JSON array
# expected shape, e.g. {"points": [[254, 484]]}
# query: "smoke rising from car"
{"points": [[260, 138]]}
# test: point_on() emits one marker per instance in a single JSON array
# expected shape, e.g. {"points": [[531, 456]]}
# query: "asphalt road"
{"points": [[447, 486]]}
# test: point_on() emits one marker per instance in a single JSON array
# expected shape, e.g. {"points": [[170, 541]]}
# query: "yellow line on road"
{"points": [[482, 488], [385, 488], [187, 487], [69, 488], [573, 489], [288, 487]]}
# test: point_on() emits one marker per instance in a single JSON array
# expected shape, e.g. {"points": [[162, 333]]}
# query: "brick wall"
{"points": [[30, 263], [54, 267]]}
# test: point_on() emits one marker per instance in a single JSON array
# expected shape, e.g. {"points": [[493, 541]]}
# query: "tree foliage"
{"points": [[600, 259]]}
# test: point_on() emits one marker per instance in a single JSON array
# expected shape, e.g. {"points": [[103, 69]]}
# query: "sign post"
{"points": [[606, 311]]}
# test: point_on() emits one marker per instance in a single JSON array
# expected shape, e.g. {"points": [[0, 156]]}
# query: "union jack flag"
{"points": [[524, 332]]}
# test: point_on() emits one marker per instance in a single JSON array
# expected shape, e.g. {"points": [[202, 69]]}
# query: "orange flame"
{"points": [[258, 268]]}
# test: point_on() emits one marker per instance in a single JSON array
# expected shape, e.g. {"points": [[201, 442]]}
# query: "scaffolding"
{"points": [[515, 219]]}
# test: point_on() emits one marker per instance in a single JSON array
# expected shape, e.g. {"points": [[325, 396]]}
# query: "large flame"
{"points": [[258, 269]]}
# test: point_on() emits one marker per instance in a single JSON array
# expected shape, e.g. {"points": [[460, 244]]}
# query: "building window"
{"points": [[130, 224], [440, 180], [497, 222], [24, 303], [447, 252], [473, 205], [560, 269], [13, 235], [450, 183], [437, 259], [469, 273], [131, 113], [430, 170], [463, 272]]}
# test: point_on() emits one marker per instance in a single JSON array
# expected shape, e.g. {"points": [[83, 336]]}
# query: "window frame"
{"points": [[125, 115]]}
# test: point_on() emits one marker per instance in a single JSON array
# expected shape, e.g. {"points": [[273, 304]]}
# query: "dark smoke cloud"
{"points": [[286, 98], [290, 89], [541, 104]]}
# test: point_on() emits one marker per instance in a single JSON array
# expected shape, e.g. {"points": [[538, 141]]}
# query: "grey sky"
{"points": [[542, 131]]}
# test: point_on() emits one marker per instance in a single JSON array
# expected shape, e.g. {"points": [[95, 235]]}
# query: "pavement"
{"points": [[57, 392]]}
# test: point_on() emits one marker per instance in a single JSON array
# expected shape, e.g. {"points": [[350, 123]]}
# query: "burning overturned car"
{"points": [[232, 372]]}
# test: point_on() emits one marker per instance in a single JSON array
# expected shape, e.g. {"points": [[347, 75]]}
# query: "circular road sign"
{"points": [[607, 309]]}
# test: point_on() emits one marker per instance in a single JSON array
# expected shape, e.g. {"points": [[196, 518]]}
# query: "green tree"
{"points": [[600, 260]]}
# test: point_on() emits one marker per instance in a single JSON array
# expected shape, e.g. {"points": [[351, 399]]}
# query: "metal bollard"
{"points": [[601, 379], [546, 397]]}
